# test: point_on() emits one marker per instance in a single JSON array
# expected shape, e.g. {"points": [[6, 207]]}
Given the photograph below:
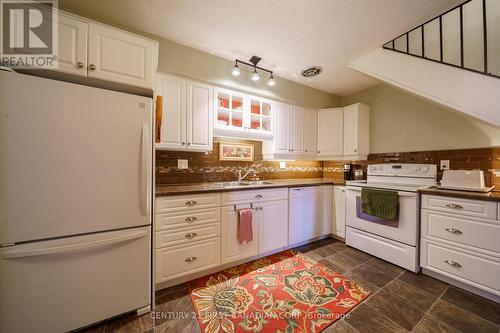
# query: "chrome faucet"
{"points": [[240, 177]]}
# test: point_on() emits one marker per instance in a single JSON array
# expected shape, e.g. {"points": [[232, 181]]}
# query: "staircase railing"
{"points": [[466, 36]]}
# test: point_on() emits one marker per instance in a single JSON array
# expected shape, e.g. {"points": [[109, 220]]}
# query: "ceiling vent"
{"points": [[312, 71]]}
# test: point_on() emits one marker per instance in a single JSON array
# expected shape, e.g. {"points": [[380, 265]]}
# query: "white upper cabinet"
{"points": [[330, 133], [356, 131], [90, 49], [121, 57], [173, 122], [293, 134], [187, 115], [344, 133], [310, 132], [297, 125], [240, 115], [199, 116], [72, 48], [281, 136]]}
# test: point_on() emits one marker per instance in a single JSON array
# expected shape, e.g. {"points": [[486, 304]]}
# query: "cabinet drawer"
{"points": [[186, 202], [484, 209], [186, 218], [242, 197], [186, 235], [483, 234], [176, 261], [465, 266]]}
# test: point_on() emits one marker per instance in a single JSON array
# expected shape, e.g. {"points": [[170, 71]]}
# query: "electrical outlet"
{"points": [[182, 164], [444, 164], [282, 165]]}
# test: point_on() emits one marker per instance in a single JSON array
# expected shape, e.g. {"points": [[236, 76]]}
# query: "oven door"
{"points": [[407, 229]]}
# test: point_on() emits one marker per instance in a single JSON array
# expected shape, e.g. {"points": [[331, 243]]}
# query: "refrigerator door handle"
{"points": [[143, 190], [21, 253]]}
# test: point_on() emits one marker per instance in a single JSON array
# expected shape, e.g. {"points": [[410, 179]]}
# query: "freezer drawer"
{"points": [[64, 284]]}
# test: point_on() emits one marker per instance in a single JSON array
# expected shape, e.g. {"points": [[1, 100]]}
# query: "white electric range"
{"points": [[394, 241]]}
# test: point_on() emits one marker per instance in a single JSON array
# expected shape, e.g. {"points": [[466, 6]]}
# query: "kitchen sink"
{"points": [[243, 183]]}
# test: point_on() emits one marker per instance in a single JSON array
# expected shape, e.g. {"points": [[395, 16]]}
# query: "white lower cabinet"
{"points": [[273, 225], [176, 261], [338, 221], [459, 241], [231, 249]]}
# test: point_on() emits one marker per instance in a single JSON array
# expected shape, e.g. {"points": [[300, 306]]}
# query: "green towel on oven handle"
{"points": [[382, 204]]}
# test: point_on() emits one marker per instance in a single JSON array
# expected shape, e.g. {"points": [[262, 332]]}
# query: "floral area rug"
{"points": [[286, 292]]}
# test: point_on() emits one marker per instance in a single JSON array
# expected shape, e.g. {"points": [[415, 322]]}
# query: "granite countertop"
{"points": [[175, 189], [490, 196]]}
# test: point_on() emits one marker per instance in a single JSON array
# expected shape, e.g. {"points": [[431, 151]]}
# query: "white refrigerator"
{"points": [[75, 204]]}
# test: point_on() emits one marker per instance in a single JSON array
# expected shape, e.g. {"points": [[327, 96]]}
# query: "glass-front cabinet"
{"points": [[241, 115]]}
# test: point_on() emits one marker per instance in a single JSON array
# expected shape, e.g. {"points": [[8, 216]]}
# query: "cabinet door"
{"points": [[199, 116], [297, 133], [330, 132], [351, 130], [121, 57], [231, 249], [273, 225], [281, 130], [338, 224], [173, 123], [310, 132], [326, 217], [72, 45]]}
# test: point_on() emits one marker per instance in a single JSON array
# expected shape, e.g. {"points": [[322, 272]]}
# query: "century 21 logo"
{"points": [[27, 28]]}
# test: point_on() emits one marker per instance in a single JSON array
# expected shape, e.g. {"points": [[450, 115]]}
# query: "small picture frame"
{"points": [[235, 151]]}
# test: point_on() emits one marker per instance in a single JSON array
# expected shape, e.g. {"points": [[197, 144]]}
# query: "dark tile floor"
{"points": [[401, 301]]}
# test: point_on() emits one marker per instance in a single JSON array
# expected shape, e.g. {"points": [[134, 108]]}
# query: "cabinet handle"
{"points": [[258, 196], [80, 65], [92, 67], [189, 143], [453, 263], [191, 219], [454, 206], [306, 150], [355, 150], [191, 235], [183, 143], [454, 231], [190, 259], [319, 152], [191, 203]]}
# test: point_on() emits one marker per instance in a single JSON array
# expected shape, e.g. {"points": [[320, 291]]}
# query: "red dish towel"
{"points": [[245, 231]]}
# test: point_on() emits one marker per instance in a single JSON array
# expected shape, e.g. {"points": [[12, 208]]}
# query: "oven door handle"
{"points": [[401, 194]]}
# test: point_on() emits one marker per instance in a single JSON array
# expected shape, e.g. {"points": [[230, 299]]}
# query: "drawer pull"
{"points": [[454, 231], [191, 235], [191, 203], [191, 219], [452, 263], [190, 259], [258, 196], [454, 206]]}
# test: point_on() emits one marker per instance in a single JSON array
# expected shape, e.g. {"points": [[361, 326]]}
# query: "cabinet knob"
{"points": [[92, 67], [189, 143], [80, 65], [191, 203], [190, 259], [454, 231], [453, 263], [183, 143], [454, 206], [191, 235], [355, 150], [306, 150], [319, 152], [191, 219]]}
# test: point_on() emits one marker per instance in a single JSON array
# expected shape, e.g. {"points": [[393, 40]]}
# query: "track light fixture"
{"points": [[254, 60]]}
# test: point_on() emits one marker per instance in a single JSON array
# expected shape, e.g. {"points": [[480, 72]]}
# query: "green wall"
{"points": [[401, 122]]}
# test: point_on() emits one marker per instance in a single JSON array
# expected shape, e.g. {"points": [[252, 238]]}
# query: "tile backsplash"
{"points": [[204, 167]]}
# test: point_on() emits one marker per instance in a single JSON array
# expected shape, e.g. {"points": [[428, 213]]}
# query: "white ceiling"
{"points": [[289, 35]]}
